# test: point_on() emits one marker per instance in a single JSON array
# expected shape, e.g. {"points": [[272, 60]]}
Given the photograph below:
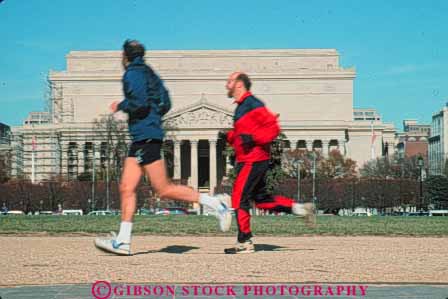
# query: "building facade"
{"points": [[5, 135], [5, 150], [438, 142], [414, 140], [310, 91]]}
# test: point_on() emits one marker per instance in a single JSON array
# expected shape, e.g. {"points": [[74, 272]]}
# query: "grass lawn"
{"points": [[208, 225]]}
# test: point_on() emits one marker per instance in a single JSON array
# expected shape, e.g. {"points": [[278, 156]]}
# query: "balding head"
{"points": [[234, 75], [237, 84]]}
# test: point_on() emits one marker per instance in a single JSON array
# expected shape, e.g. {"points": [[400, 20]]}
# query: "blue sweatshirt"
{"points": [[146, 101]]}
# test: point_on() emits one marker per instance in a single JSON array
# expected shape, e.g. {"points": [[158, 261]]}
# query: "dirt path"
{"points": [[55, 260]]}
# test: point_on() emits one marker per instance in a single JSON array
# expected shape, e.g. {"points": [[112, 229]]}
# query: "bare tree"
{"points": [[5, 166], [331, 167], [114, 138], [392, 167], [56, 191]]}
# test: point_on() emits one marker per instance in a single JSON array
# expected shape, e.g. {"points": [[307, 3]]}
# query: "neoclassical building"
{"points": [[310, 91]]}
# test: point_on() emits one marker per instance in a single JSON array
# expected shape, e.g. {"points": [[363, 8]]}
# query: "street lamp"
{"points": [[421, 163], [94, 157], [314, 177], [107, 178]]}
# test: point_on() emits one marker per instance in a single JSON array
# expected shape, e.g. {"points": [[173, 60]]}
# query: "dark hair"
{"points": [[245, 79], [133, 49]]}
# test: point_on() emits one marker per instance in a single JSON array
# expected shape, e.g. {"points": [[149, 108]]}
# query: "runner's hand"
{"points": [[114, 106]]}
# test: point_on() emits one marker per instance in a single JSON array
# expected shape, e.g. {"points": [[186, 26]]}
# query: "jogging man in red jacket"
{"points": [[254, 129]]}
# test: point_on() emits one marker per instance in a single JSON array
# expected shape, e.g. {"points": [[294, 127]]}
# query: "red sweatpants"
{"points": [[250, 185]]}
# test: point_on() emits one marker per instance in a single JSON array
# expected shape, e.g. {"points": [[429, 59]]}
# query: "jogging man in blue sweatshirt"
{"points": [[146, 101]]}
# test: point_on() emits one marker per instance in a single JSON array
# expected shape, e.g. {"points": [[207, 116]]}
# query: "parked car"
{"points": [[72, 212], [46, 213], [361, 214], [100, 213], [15, 212], [172, 211], [438, 213]]}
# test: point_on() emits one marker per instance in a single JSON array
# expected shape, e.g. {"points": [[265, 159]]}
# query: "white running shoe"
{"points": [[223, 213], [111, 244], [239, 248]]}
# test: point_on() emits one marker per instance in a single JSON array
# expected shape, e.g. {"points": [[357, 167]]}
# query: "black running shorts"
{"points": [[146, 151]]}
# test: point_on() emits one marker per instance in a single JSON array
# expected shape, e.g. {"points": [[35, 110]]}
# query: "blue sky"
{"points": [[399, 48]]}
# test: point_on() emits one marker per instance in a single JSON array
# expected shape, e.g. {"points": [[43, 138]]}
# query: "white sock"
{"points": [[210, 201], [125, 232], [298, 209]]}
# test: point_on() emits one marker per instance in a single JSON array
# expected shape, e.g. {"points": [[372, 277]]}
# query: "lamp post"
{"points": [[93, 175], [298, 163], [107, 178], [421, 163], [314, 177]]}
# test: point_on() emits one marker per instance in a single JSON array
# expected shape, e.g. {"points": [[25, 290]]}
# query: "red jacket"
{"points": [[254, 119]]}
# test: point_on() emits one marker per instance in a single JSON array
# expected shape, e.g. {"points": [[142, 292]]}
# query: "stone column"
{"points": [[293, 143], [325, 144], [341, 145], [96, 154], [213, 166], [229, 166], [177, 160], [309, 144], [64, 159], [81, 159], [390, 149], [194, 163]]}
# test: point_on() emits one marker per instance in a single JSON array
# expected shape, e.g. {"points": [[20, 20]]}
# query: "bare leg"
{"points": [[132, 173], [120, 244], [156, 173], [167, 190]]}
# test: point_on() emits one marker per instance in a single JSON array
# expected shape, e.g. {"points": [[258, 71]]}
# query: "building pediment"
{"points": [[199, 115]]}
